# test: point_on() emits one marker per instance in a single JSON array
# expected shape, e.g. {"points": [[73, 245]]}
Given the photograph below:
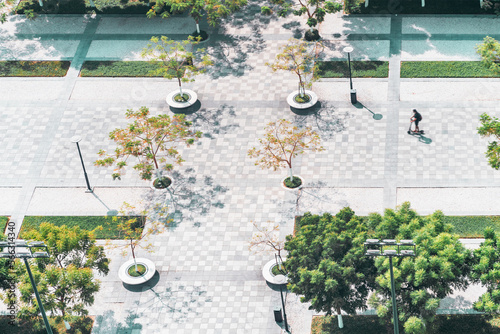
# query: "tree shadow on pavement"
{"points": [[324, 119], [177, 302], [189, 198], [230, 54], [210, 121], [106, 323]]}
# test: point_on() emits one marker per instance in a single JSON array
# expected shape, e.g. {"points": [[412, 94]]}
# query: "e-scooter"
{"points": [[410, 132]]}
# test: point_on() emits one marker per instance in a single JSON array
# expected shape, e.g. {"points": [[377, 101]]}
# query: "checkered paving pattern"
{"points": [[209, 281]]}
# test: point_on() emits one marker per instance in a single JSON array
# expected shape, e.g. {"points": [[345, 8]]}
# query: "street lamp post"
{"points": [[76, 140], [25, 253], [375, 247], [281, 279], [348, 50]]}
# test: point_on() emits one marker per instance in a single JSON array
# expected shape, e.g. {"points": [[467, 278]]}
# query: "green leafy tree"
{"points": [[65, 281], [176, 60], [281, 143], [442, 264], [151, 140], [486, 269], [298, 57], [214, 9], [489, 51], [315, 10], [326, 262], [490, 127]]}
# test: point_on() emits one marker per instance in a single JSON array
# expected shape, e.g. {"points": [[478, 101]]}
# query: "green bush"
{"points": [[24, 68], [79, 325], [89, 223], [473, 226], [293, 183], [266, 10], [118, 69], [83, 7], [366, 324], [445, 69], [360, 69]]}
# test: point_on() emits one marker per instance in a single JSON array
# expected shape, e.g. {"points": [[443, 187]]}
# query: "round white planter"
{"points": [[283, 183], [126, 278], [291, 100], [162, 189], [193, 97], [268, 274]]}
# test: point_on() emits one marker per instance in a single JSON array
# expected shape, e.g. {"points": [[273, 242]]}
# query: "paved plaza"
{"points": [[208, 281]]}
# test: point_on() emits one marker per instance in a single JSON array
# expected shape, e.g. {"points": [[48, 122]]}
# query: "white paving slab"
{"points": [[23, 89], [339, 90], [123, 89], [155, 26], [439, 50], [346, 25], [37, 49], [452, 201], [114, 50], [443, 90], [457, 25], [8, 199], [75, 201], [48, 24]]}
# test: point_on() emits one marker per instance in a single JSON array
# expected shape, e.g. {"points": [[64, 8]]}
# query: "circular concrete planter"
{"points": [[126, 278], [161, 189], [193, 97], [285, 187], [291, 100], [267, 272]]}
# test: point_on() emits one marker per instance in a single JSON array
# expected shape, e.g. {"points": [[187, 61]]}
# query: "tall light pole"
{"points": [[281, 280], [348, 50], [375, 247], [76, 140], [25, 252]]}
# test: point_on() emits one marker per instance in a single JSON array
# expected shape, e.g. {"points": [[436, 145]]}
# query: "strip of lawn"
{"points": [[3, 222], [415, 7], [464, 226], [82, 325], [89, 223], [366, 324], [25, 68], [118, 69], [445, 69], [360, 69], [84, 7]]}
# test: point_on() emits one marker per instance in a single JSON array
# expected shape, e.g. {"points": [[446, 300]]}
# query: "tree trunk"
{"points": [[133, 256], [197, 27], [180, 85], [291, 174], [339, 318]]}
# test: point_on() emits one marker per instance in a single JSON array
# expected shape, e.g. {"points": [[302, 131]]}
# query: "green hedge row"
{"points": [[464, 226], [360, 69], [445, 324], [25, 68], [89, 223], [445, 69], [84, 7], [118, 69], [3, 222]]}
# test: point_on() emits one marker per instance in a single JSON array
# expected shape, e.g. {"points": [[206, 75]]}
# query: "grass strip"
{"points": [[360, 69], [369, 324], [28, 68], [3, 222], [118, 69], [81, 325], [445, 69], [89, 223]]}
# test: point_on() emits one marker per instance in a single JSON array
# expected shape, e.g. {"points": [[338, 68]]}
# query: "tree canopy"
{"points": [[283, 142], [326, 262], [490, 127], [65, 281], [150, 139], [442, 264], [486, 269], [489, 51]]}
